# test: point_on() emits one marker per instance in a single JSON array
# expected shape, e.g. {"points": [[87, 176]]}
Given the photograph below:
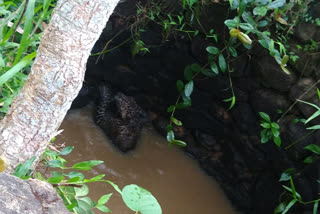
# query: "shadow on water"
{"points": [[172, 177]]}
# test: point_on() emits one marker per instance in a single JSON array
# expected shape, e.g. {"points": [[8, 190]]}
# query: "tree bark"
{"points": [[55, 79]]}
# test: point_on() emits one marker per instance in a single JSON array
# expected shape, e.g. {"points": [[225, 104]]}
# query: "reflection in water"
{"points": [[172, 177]]}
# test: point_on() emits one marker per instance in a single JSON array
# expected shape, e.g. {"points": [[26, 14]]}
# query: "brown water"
{"points": [[171, 176]]}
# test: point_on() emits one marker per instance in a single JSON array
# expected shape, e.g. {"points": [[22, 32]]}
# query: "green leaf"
{"points": [[232, 23], [246, 26], [18, 67], [314, 127], [176, 121], [314, 115], [275, 125], [308, 160], [212, 50], [208, 73], [75, 174], [104, 199], [232, 51], [318, 92], [265, 125], [313, 148], [86, 165], [82, 191], [170, 136], [103, 208], [188, 88], [315, 207], [262, 23], [56, 179], [74, 179], [285, 177], [180, 86], [277, 141], [264, 139], [85, 205], [260, 10], [139, 199], [265, 116], [58, 163], [232, 101], [28, 24], [280, 208], [179, 143], [289, 206], [23, 169], [96, 178], [66, 150], [171, 108], [276, 4], [214, 68], [275, 132], [188, 74], [222, 63]]}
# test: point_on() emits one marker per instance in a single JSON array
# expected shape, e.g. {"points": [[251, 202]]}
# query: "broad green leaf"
{"points": [[171, 108], [188, 89], [232, 51], [246, 26], [285, 177], [58, 163], [74, 179], [275, 125], [75, 174], [277, 141], [222, 63], [275, 132], [23, 169], [308, 160], [86, 165], [195, 67], [140, 200], [66, 150], [276, 4], [18, 67], [103, 208], [208, 73], [260, 10], [313, 148], [55, 180], [265, 125], [115, 186], [262, 23], [214, 68], [265, 116], [232, 23], [82, 191], [212, 50], [84, 204], [104, 199]]}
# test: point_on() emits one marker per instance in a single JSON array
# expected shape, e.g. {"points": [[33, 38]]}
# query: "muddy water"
{"points": [[172, 177]]}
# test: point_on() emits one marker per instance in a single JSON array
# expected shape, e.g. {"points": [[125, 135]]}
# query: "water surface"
{"points": [[170, 175]]}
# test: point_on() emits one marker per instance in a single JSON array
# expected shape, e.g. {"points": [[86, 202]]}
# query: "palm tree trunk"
{"points": [[55, 79]]}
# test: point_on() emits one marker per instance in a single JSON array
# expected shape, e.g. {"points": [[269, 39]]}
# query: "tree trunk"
{"points": [[55, 79]]}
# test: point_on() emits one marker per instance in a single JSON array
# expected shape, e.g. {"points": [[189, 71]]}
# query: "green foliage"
{"points": [[271, 130], [20, 32], [73, 190]]}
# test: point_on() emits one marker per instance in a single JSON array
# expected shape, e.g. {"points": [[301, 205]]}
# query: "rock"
{"points": [[271, 75], [303, 90], [120, 117], [268, 101], [245, 118], [28, 197]]}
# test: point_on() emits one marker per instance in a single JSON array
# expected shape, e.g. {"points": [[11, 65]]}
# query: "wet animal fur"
{"points": [[120, 117]]}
